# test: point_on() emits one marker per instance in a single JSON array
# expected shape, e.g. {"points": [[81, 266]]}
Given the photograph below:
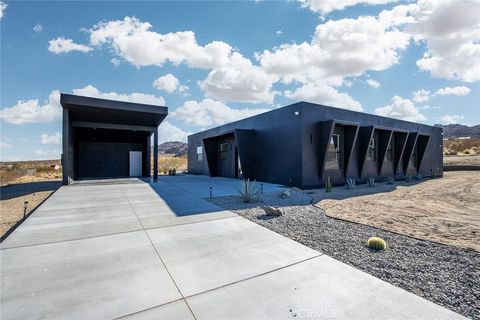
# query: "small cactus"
{"points": [[328, 185], [377, 243], [350, 183], [371, 182], [390, 180], [418, 177]]}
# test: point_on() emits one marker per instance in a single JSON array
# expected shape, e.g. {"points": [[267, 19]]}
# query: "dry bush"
{"points": [[461, 147], [28, 171], [167, 162]]}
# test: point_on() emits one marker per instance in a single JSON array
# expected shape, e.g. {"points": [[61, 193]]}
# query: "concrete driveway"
{"points": [[160, 251]]}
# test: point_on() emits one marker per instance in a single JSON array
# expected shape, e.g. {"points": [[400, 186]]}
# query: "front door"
{"points": [[135, 163], [226, 157]]}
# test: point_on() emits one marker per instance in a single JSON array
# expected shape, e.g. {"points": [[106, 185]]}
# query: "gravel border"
{"points": [[446, 275]]}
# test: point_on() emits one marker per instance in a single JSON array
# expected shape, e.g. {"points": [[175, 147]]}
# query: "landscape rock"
{"points": [[273, 212]]}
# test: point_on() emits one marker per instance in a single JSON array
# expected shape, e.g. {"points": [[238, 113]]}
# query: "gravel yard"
{"points": [[444, 274]]}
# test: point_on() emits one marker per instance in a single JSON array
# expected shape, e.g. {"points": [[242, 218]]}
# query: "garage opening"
{"points": [[108, 139]]}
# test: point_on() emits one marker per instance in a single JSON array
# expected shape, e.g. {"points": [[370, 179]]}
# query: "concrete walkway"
{"points": [[130, 249]]}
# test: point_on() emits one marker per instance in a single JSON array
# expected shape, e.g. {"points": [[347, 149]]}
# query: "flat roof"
{"points": [[88, 109]]}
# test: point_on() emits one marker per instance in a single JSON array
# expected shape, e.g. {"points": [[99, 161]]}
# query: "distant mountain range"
{"points": [[459, 130], [176, 148]]}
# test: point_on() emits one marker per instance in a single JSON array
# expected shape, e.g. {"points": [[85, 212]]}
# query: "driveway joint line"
{"points": [[151, 308], [256, 276], [159, 257], [69, 240]]}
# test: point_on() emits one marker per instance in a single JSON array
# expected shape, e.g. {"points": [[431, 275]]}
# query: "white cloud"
{"points": [[278, 32], [62, 45], [451, 31], [325, 6], [421, 95], [374, 84], [169, 132], [47, 154], [116, 62], [136, 97], [239, 81], [400, 108], [456, 91], [338, 49], [209, 112], [325, 95], [168, 83], [133, 40], [232, 76], [38, 28], [450, 119], [3, 7], [31, 111], [55, 138], [5, 145]]}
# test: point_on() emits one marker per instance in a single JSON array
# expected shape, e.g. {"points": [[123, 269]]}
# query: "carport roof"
{"points": [[94, 110]]}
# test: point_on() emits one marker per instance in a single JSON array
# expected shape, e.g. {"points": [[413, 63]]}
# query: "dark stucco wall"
{"points": [[276, 149]]}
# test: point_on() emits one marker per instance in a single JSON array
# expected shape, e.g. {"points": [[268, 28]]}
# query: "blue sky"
{"points": [[214, 62]]}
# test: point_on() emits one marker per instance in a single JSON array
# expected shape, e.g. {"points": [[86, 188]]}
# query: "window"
{"points": [[199, 153], [372, 149], [389, 151], [413, 158], [224, 151], [333, 153]]}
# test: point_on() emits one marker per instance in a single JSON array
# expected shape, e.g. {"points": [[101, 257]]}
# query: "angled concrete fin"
{"points": [[384, 137], [422, 142], [246, 144], [399, 142], [325, 130], [410, 145], [364, 135]]}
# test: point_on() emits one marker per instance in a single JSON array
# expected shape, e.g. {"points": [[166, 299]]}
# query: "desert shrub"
{"points": [[248, 190], [167, 163], [371, 182], [377, 243], [390, 180], [408, 178], [351, 183], [328, 185]]}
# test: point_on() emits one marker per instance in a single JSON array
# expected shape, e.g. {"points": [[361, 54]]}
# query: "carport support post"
{"points": [[155, 155]]}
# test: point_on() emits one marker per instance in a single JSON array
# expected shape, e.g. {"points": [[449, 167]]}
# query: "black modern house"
{"points": [[304, 143], [108, 139]]}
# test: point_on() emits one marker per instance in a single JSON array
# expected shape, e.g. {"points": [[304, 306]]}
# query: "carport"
{"points": [[108, 139]]}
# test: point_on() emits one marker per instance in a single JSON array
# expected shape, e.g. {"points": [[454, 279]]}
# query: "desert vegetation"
{"points": [[168, 163], [461, 147], [28, 171]]}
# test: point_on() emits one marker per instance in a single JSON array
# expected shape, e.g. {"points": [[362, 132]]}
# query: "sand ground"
{"points": [[12, 198], [471, 160], [445, 210]]}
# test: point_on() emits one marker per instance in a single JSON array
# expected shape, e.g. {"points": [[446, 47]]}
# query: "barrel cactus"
{"points": [[376, 243]]}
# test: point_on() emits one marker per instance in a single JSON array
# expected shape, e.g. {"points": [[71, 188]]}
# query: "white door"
{"points": [[135, 163]]}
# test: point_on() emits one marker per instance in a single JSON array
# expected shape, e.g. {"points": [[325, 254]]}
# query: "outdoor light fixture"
{"points": [[25, 206], [296, 113]]}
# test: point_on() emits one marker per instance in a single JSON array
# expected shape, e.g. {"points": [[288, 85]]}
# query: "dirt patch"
{"points": [[461, 160], [13, 197], [445, 210]]}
